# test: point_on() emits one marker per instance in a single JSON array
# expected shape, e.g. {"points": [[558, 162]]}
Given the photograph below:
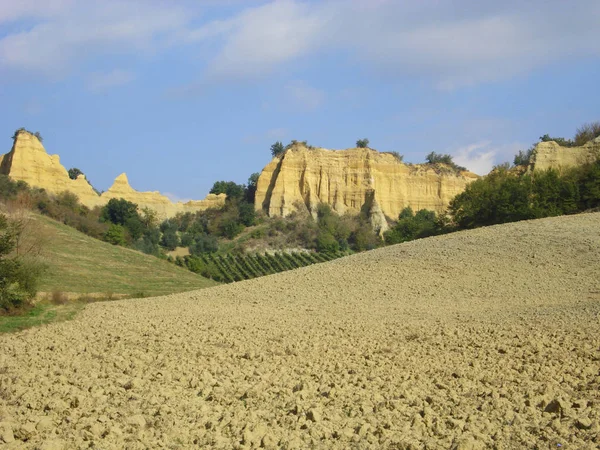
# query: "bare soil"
{"points": [[481, 339]]}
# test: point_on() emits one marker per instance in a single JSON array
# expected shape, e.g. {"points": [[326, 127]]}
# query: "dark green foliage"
{"points": [[559, 140], [169, 239], [247, 213], [505, 197], [232, 268], [39, 136], [589, 186], [586, 133], [437, 158], [412, 226], [251, 187], [234, 191], [118, 211], [18, 275], [9, 189], [327, 243], [362, 143], [203, 243], [523, 157], [74, 172], [277, 149]]}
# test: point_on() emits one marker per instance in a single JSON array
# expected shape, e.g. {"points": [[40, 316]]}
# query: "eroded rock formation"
{"points": [[29, 162], [550, 155], [353, 179]]}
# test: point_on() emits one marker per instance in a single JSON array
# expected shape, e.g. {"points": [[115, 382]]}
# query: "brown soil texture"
{"points": [[481, 339]]}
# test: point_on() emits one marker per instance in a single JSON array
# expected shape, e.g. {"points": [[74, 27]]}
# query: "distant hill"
{"points": [[80, 264]]}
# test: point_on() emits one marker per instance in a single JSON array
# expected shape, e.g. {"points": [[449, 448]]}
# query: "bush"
{"points": [[118, 211], [74, 172], [586, 133], [437, 158], [362, 143], [204, 243], [277, 149], [412, 226], [326, 243], [115, 235], [524, 157], [559, 140], [18, 274]]}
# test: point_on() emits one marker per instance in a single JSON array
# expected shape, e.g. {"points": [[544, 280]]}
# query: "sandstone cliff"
{"points": [[550, 155], [29, 162], [156, 201], [354, 179]]}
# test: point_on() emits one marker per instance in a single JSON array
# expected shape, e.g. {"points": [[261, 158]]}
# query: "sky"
{"points": [[180, 94]]}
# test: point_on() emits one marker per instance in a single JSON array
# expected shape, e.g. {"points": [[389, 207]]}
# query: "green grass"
{"points": [[80, 264], [40, 314]]}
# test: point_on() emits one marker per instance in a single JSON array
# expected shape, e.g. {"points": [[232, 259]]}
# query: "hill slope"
{"points": [[80, 264], [480, 339]]}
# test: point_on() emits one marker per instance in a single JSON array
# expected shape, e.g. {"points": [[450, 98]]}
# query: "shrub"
{"points": [[115, 235], [327, 243], [437, 158], [204, 243], [169, 239], [118, 211], [231, 189], [559, 140], [277, 149], [412, 226], [586, 133], [524, 157], [74, 172], [18, 274], [362, 143]]}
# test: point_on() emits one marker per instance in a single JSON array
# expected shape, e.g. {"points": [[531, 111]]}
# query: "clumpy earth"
{"points": [[481, 339]]}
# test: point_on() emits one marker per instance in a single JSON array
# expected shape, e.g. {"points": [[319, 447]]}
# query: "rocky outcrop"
{"points": [[156, 201], [353, 179], [29, 162], [550, 155]]}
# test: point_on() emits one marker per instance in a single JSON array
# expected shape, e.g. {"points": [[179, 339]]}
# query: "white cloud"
{"points": [[74, 31], [451, 44], [102, 81], [299, 95], [481, 157]]}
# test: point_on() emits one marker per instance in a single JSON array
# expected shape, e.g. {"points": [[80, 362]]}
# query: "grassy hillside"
{"points": [[81, 264]]}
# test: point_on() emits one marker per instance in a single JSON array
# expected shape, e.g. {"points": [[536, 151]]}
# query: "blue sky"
{"points": [[180, 94]]}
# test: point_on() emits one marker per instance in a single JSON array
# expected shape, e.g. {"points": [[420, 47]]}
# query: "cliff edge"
{"points": [[550, 155], [29, 162], [352, 180]]}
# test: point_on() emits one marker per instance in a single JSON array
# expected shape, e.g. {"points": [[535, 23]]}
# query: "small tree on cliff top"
{"points": [[362, 143], [277, 149]]}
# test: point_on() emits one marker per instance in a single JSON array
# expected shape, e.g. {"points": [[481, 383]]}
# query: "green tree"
{"points": [[586, 133], [169, 239], [326, 242], [118, 211], [39, 136], [362, 143], [251, 187], [277, 149], [524, 157], [74, 172], [115, 235], [230, 188]]}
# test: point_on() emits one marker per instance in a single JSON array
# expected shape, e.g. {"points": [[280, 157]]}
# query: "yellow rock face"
{"points": [[550, 155], [351, 179], [156, 201], [29, 162]]}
